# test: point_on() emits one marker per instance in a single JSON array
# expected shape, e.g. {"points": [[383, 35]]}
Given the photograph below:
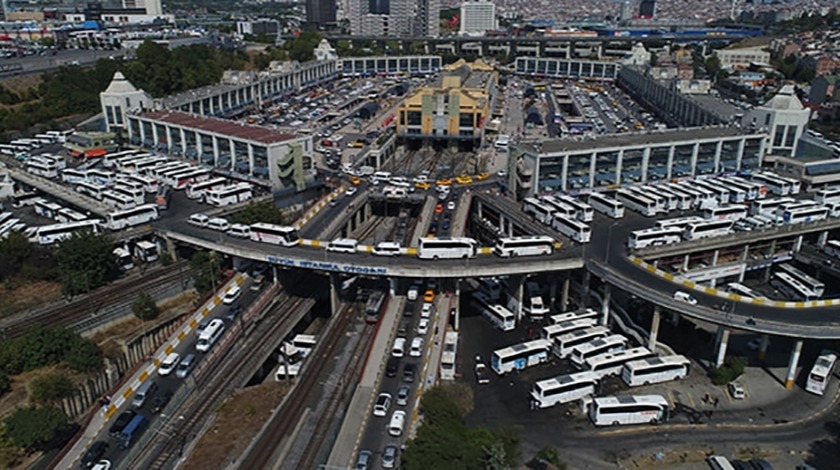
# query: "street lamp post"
{"points": [[609, 241]]}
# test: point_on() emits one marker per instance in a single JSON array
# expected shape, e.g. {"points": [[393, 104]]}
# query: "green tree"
{"points": [[496, 459], [144, 307], [10, 454], [41, 347], [86, 262], [85, 356], [206, 271], [33, 428], [50, 388], [260, 212], [509, 437], [5, 382], [14, 250], [550, 454]]}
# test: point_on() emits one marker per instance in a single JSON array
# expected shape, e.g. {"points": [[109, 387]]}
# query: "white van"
{"points": [[386, 249], [210, 335], [381, 177], [343, 245], [399, 348], [198, 220], [239, 231], [231, 295], [219, 224], [395, 427]]}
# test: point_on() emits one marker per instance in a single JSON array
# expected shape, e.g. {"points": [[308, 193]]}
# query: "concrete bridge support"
{"points": [[605, 307], [170, 248], [564, 295], [654, 328], [335, 286], [722, 342], [587, 278], [456, 311], [792, 364], [392, 286], [797, 245], [823, 238], [762, 348], [517, 285]]}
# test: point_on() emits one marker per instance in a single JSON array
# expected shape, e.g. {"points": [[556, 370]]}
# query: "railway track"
{"points": [[98, 307]]}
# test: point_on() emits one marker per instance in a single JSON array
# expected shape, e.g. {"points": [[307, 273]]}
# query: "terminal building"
{"points": [[577, 165], [452, 109]]}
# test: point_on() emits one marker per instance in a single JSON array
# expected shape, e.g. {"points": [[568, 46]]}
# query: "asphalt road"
{"points": [[48, 62]]}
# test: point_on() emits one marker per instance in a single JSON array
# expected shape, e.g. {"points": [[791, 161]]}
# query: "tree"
{"points": [[712, 65], [144, 307], [5, 382], [261, 212], [86, 262], [10, 454], [14, 250], [50, 388], [549, 454], [206, 271], [84, 356], [33, 428]]}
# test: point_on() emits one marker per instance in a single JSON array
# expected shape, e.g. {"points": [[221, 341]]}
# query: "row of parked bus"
{"points": [[563, 213]]}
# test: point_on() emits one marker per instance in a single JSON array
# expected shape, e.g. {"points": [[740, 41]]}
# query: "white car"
{"points": [[350, 191], [450, 206], [383, 402], [685, 297], [416, 347], [423, 326], [736, 391], [169, 364], [502, 173], [426, 311]]}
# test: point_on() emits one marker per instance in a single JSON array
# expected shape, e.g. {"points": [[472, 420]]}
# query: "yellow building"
{"points": [[453, 109]]}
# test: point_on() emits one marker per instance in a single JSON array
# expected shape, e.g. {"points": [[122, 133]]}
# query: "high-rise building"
{"points": [[427, 19], [647, 8], [402, 17], [379, 7], [477, 17], [152, 7], [320, 14], [626, 12]]}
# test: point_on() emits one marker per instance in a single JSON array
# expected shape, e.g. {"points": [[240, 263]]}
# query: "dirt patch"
{"points": [[21, 83], [16, 298], [236, 423], [665, 459]]}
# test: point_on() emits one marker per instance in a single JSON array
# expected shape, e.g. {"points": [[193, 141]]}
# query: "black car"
{"points": [[121, 422], [392, 367], [233, 312], [409, 373], [94, 453], [160, 401]]}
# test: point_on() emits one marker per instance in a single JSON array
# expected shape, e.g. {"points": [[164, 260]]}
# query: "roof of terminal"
{"points": [[631, 140], [218, 126]]}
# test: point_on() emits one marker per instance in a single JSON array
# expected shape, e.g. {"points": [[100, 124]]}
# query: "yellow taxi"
{"points": [[482, 176], [464, 179], [356, 144], [355, 181], [444, 182], [422, 185], [429, 296]]}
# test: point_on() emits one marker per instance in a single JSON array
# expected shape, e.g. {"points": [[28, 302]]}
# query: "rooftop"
{"points": [[218, 126], [717, 106]]}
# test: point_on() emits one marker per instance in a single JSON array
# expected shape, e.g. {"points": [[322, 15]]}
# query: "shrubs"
{"points": [[732, 368]]}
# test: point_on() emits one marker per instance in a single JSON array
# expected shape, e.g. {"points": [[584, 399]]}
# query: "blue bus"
{"points": [[130, 433]]}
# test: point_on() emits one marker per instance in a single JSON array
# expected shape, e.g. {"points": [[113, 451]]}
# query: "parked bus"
{"points": [[126, 163], [583, 211], [568, 316], [793, 289], [721, 192], [684, 201], [161, 170], [752, 189], [163, 196], [805, 215], [147, 184], [448, 355], [564, 343], [67, 215], [654, 370], [610, 364], [189, 178], [49, 234], [520, 356], [61, 136], [91, 189], [554, 330], [564, 389], [769, 207], [599, 346], [496, 314], [606, 205], [40, 167], [731, 212], [678, 222], [47, 209], [708, 229], [670, 202], [639, 409], [540, 211], [101, 177], [118, 200], [703, 198], [141, 166], [132, 217], [447, 248], [737, 195], [640, 204], [572, 228], [228, 195], [832, 248], [523, 246], [773, 184], [821, 372], [73, 176], [198, 190], [130, 190], [275, 234], [814, 285], [794, 206], [661, 204], [827, 195], [653, 237], [743, 291], [110, 159]]}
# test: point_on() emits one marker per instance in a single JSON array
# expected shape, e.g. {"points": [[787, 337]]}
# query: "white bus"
{"points": [[160, 171], [91, 189], [73, 176], [560, 207], [523, 246], [654, 370], [520, 356], [584, 210], [773, 184], [795, 185], [564, 343], [541, 212], [743, 291], [110, 160], [125, 164], [670, 201], [708, 229], [118, 200], [769, 207], [606, 205], [610, 364], [40, 167], [141, 166], [832, 248], [642, 205], [639, 409], [679, 222], [662, 204], [826, 195], [447, 248], [554, 330], [572, 228], [794, 206], [131, 190], [597, 347], [47, 209], [496, 314], [792, 288], [149, 185], [805, 215], [105, 178], [731, 212], [703, 198], [133, 217], [737, 194], [684, 201], [721, 192], [197, 191], [653, 237], [753, 189], [49, 234], [821, 372], [816, 286], [67, 215], [275, 234], [448, 355], [574, 315], [228, 195], [189, 178], [564, 389], [61, 136]]}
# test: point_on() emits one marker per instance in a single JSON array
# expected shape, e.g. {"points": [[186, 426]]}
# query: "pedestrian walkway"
{"points": [[99, 420]]}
